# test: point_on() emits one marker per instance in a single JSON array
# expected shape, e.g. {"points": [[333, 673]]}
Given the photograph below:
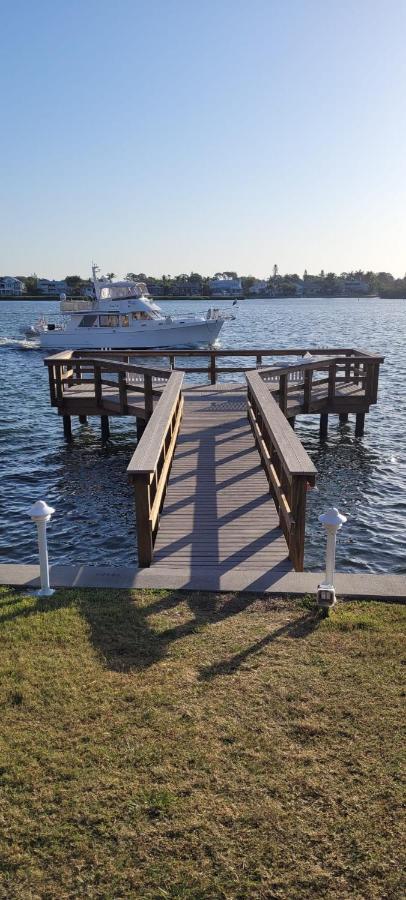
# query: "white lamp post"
{"points": [[41, 514], [332, 521]]}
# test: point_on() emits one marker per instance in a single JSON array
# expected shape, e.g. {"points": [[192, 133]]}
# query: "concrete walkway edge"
{"points": [[363, 586]]}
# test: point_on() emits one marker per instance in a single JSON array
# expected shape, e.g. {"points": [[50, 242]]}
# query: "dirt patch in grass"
{"points": [[165, 744]]}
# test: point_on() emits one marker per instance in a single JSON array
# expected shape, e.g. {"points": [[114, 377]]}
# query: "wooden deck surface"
{"points": [[218, 514]]}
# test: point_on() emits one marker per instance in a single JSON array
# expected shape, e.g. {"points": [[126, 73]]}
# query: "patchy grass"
{"points": [[173, 745]]}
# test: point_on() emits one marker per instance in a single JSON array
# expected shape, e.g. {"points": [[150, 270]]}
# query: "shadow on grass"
{"points": [[120, 630], [126, 640], [298, 629]]}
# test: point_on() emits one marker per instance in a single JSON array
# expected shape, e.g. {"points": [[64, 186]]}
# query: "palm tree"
{"points": [[110, 275]]}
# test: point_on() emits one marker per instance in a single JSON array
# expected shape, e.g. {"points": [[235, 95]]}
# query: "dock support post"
{"points": [[359, 424], [140, 428], [323, 425], [105, 428], [343, 418], [292, 422], [67, 428], [83, 420]]}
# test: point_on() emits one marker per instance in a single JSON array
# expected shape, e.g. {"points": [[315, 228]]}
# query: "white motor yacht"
{"points": [[122, 315]]}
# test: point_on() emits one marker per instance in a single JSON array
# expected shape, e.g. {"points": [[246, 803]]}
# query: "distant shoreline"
{"points": [[218, 300]]}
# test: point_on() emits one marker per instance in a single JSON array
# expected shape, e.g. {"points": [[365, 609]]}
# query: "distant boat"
{"points": [[122, 315]]}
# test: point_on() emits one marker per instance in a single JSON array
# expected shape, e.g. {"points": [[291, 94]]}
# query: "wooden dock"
{"points": [[218, 511], [220, 477]]}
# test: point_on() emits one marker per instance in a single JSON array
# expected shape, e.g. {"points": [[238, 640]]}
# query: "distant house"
{"points": [[225, 285], [10, 286], [259, 287], [354, 286], [47, 286]]}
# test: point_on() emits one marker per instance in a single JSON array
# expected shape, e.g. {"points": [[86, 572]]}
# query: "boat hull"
{"points": [[163, 336]]}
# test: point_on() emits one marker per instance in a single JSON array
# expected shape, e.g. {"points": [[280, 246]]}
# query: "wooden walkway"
{"points": [[218, 512], [220, 477]]}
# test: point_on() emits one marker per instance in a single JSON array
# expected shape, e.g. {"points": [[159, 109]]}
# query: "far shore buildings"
{"points": [[11, 287], [225, 285], [49, 286]]}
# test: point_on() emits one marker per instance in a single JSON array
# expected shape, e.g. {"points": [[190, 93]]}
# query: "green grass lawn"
{"points": [[165, 744]]}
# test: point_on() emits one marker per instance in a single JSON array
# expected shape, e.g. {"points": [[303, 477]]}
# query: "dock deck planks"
{"points": [[218, 513]]}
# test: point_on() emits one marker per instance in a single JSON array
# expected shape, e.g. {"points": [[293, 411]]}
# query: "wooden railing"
{"points": [[67, 369], [151, 463], [353, 368], [211, 368], [288, 467]]}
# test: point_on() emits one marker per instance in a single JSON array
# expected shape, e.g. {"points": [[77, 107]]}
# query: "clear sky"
{"points": [[167, 136]]}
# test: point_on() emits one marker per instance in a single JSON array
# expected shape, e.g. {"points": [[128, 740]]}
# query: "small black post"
{"points": [[83, 420], [359, 424], [292, 422], [140, 428], [323, 425], [67, 428], [343, 418], [105, 428]]}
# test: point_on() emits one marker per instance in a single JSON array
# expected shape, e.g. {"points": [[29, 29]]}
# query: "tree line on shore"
{"points": [[329, 284]]}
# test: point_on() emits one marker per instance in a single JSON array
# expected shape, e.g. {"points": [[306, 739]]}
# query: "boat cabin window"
{"points": [[125, 321], [87, 321], [110, 321], [140, 315]]}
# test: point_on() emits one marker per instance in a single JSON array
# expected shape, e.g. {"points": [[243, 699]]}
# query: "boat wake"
{"points": [[19, 343]]}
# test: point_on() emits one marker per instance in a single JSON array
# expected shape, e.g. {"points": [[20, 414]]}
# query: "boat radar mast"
{"points": [[95, 270]]}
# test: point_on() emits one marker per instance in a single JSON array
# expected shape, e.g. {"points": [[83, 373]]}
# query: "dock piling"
{"points": [[359, 424], [67, 428], [323, 425], [140, 428], [105, 428]]}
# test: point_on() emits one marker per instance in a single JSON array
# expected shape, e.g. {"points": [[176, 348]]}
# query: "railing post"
{"points": [[375, 382], [52, 392], [171, 361], [369, 382], [298, 510], [142, 490], [149, 400], [122, 392], [58, 379], [332, 381], [307, 391], [348, 365], [97, 384], [259, 360], [212, 368], [283, 393]]}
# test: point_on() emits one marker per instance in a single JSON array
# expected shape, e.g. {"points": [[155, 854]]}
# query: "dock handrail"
{"points": [[356, 368], [67, 369], [151, 462], [287, 465], [212, 369]]}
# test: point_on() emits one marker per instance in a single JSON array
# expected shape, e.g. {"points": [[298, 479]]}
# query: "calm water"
{"points": [[87, 483]]}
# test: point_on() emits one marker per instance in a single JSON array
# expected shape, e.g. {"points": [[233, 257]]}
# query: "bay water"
{"points": [[86, 482]]}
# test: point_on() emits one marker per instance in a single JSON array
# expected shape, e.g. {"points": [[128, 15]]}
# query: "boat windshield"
{"points": [[142, 315], [122, 290]]}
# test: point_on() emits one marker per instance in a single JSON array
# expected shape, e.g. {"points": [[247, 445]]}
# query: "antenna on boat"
{"points": [[95, 270]]}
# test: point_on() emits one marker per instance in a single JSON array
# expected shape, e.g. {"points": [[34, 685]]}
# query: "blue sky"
{"points": [[175, 135]]}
